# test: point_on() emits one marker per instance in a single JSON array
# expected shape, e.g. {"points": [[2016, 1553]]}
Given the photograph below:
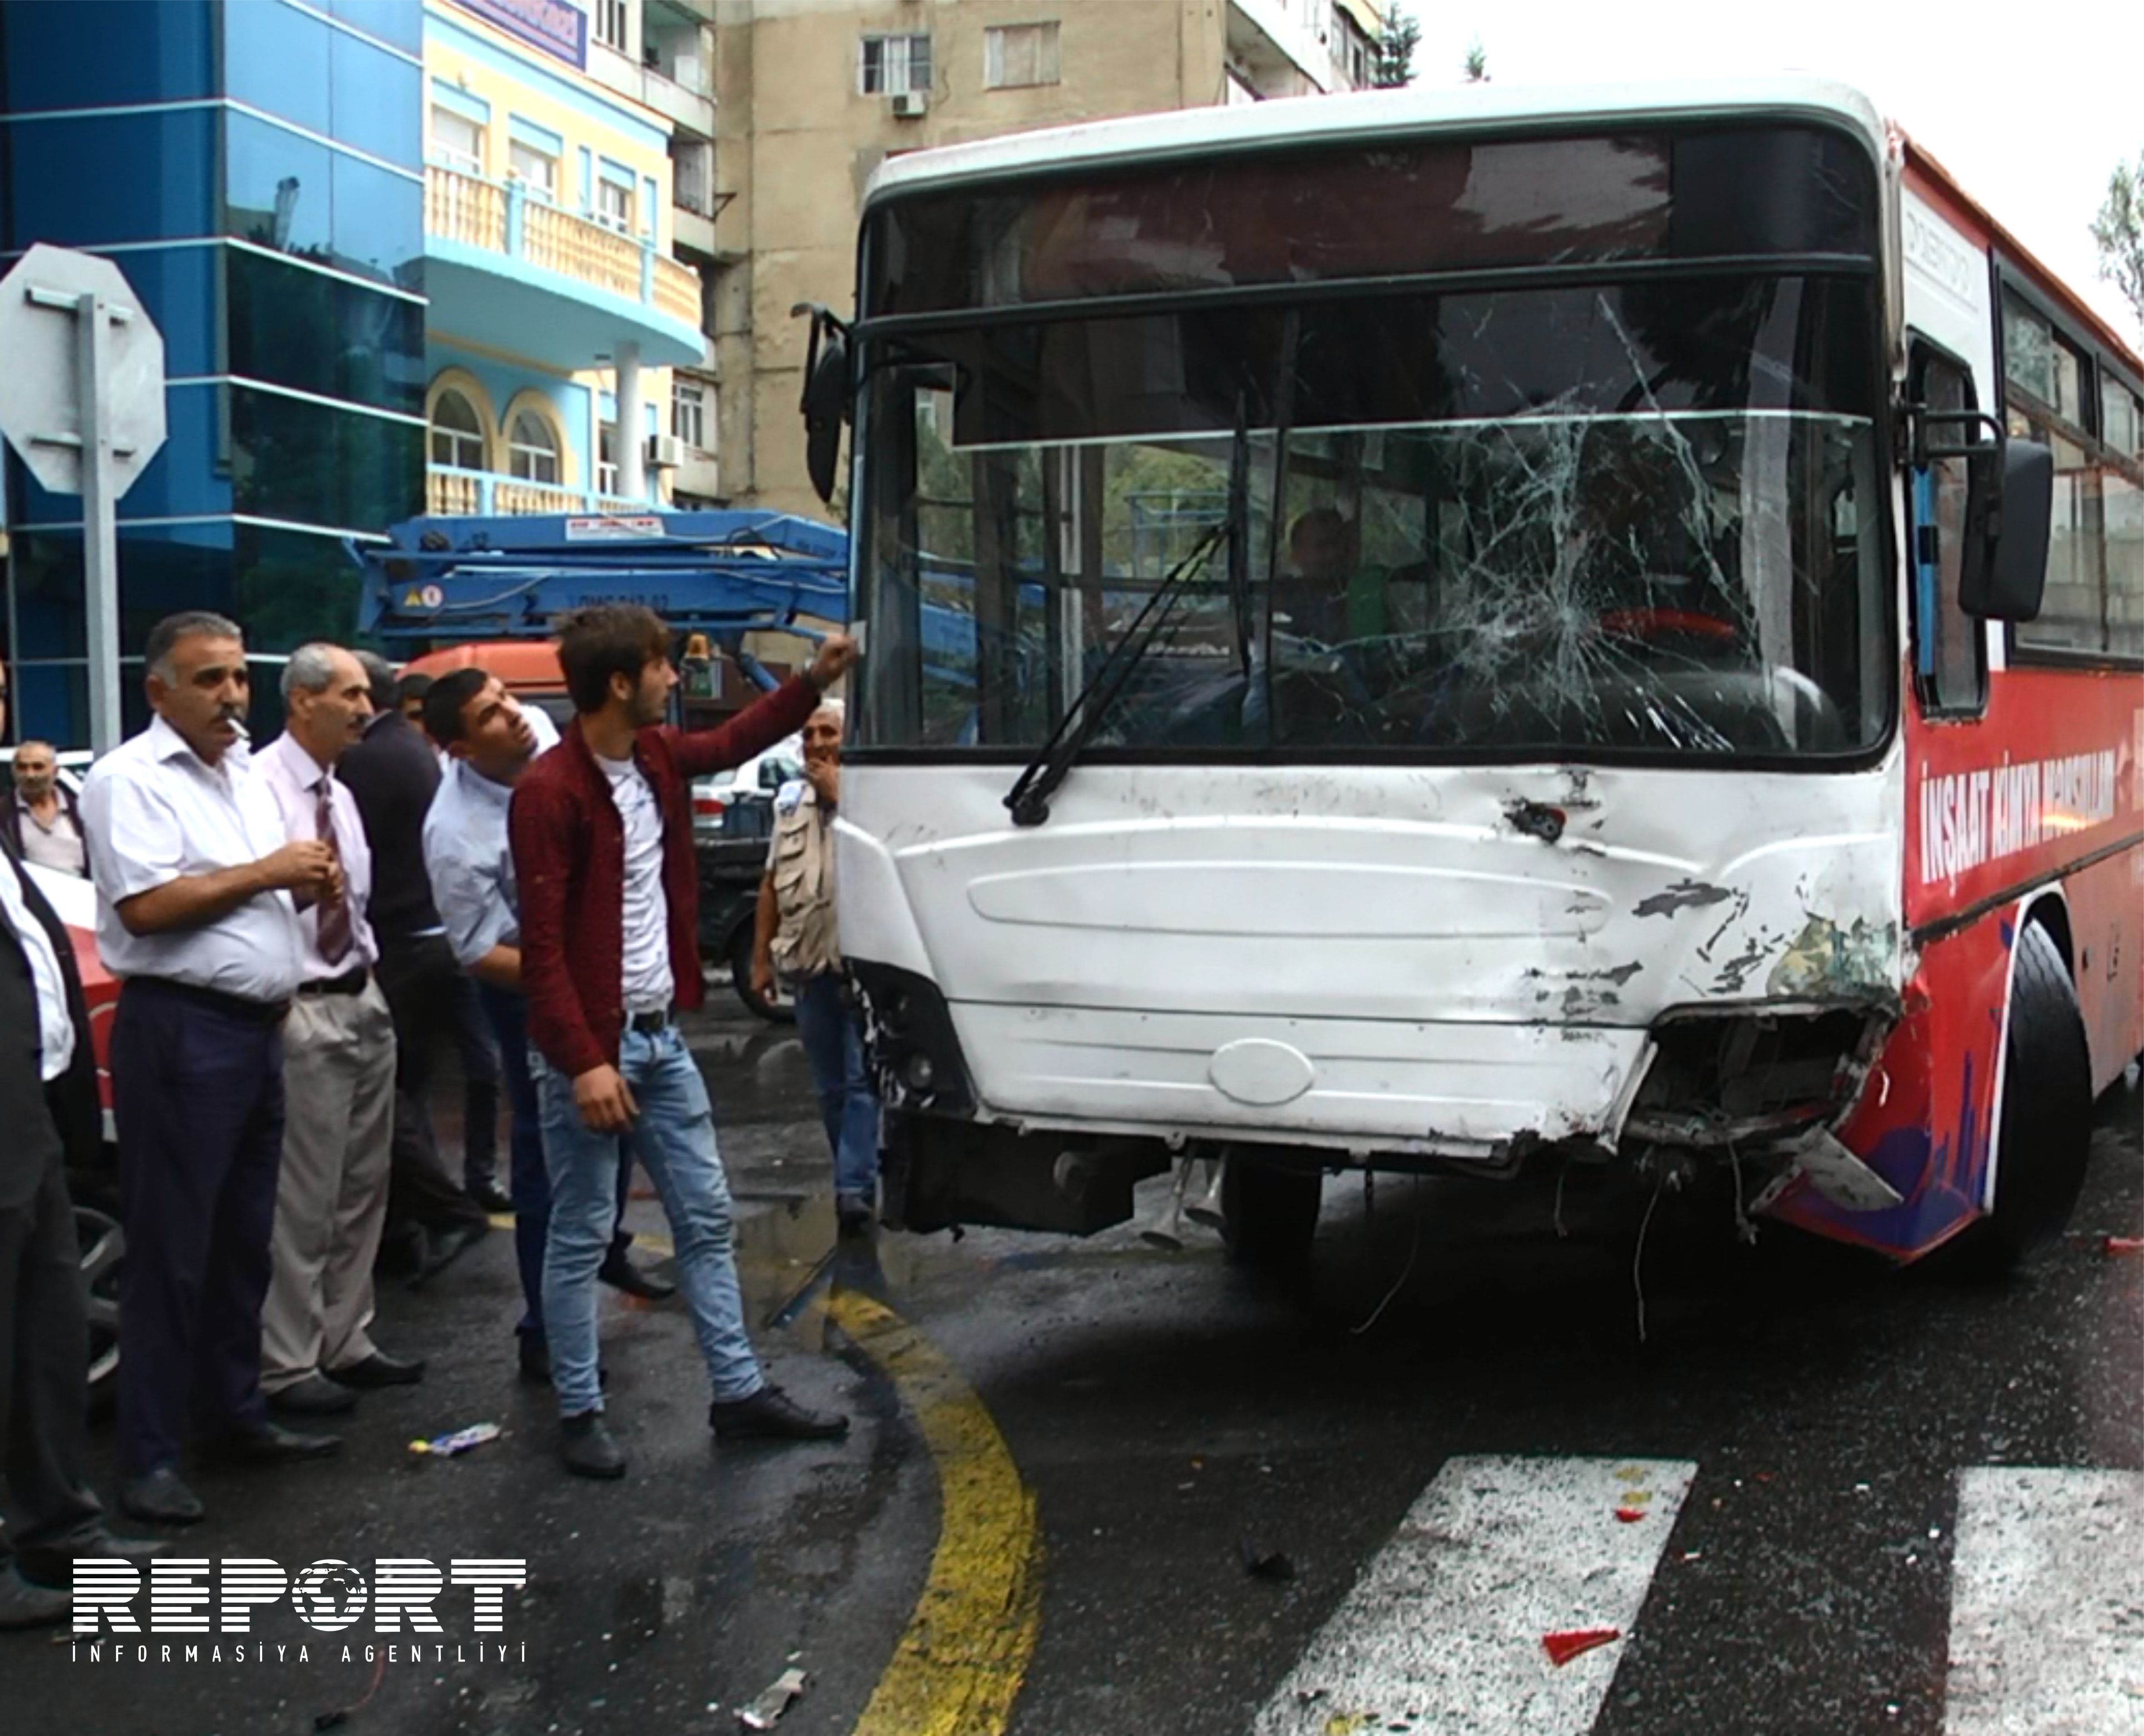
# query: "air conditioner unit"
{"points": [[665, 451], [912, 105]]}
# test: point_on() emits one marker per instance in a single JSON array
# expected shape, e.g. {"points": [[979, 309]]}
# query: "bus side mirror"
{"points": [[2005, 576], [826, 397]]}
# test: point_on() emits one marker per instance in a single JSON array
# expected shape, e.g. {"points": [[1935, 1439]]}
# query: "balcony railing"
{"points": [[506, 220], [468, 493]]}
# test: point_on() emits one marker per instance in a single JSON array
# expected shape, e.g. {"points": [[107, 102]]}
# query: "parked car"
{"points": [[760, 776], [94, 1186]]}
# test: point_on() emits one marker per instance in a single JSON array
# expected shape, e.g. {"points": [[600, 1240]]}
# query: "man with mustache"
{"points": [[42, 824], [199, 920], [317, 1354]]}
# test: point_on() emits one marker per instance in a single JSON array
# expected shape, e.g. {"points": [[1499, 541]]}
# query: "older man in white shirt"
{"points": [[316, 1352], [199, 920]]}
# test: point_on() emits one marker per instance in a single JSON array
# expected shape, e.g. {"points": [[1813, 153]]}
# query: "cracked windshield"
{"points": [[1637, 516]]}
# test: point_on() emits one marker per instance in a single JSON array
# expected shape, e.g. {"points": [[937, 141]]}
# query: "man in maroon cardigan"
{"points": [[602, 834]]}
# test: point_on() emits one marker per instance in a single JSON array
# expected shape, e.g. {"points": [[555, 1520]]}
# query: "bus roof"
{"points": [[1193, 132], [1926, 176]]}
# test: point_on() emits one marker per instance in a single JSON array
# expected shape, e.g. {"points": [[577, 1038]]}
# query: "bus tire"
{"points": [[2046, 1114], [1270, 1214]]}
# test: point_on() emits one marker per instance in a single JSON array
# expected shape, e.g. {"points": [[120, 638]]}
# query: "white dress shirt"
{"points": [[293, 777], [471, 863], [55, 1027], [155, 813], [468, 857]]}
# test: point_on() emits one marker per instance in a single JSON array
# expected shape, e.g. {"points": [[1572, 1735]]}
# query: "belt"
{"points": [[231, 1006], [649, 1023], [350, 982]]}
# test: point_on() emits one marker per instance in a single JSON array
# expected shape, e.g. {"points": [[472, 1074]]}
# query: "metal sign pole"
{"points": [[82, 403], [100, 534]]}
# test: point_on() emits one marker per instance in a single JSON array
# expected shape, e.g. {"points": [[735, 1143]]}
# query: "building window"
{"points": [[457, 141], [693, 175], [532, 446], [606, 459], [689, 413], [614, 206], [457, 432], [534, 170], [614, 25], [894, 66], [1014, 55]]}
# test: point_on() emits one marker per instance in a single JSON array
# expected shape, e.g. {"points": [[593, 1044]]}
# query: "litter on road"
{"points": [[1562, 1647], [445, 1447], [763, 1713]]}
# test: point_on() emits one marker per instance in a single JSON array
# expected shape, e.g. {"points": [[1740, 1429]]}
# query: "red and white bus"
{"points": [[1501, 629]]}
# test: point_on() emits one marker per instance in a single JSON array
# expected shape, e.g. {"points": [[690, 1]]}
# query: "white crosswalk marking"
{"points": [[1443, 1631], [2046, 1608]]}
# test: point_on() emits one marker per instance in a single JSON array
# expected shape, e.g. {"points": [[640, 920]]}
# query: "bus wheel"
{"points": [[1269, 1213], [2046, 1110]]}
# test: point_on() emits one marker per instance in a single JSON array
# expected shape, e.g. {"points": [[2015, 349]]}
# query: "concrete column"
{"points": [[631, 424]]}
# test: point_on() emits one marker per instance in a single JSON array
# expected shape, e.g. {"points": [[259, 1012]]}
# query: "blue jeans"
{"points": [[848, 1106], [674, 1138], [528, 1182]]}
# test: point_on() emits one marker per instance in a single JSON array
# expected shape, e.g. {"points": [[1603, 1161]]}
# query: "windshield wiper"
{"points": [[1029, 797]]}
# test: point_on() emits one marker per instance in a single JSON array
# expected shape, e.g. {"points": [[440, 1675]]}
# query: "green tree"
{"points": [[2119, 230], [1393, 65], [1478, 62]]}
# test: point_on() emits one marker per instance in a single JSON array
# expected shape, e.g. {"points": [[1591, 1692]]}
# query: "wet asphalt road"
{"points": [[1162, 1409]]}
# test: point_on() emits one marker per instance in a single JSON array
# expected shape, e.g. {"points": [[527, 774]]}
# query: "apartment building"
{"points": [[810, 100], [556, 310]]}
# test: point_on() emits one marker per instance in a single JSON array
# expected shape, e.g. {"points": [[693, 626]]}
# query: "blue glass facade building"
{"points": [[255, 168]]}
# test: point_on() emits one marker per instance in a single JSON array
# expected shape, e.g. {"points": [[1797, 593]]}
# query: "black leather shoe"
{"points": [[853, 1212], [315, 1396], [53, 1566], [25, 1605], [770, 1414], [491, 1196], [160, 1497], [586, 1446], [620, 1274], [269, 1444], [379, 1370], [443, 1248]]}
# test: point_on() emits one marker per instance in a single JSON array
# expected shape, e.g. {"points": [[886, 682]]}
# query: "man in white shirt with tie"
{"points": [[316, 1353], [197, 918]]}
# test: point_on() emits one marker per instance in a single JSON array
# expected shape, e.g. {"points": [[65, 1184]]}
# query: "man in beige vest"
{"points": [[795, 935]]}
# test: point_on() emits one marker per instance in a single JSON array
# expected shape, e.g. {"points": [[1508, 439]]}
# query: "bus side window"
{"points": [[1950, 646]]}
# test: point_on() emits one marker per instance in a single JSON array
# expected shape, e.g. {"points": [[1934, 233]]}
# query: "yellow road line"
{"points": [[960, 1665], [961, 1659]]}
